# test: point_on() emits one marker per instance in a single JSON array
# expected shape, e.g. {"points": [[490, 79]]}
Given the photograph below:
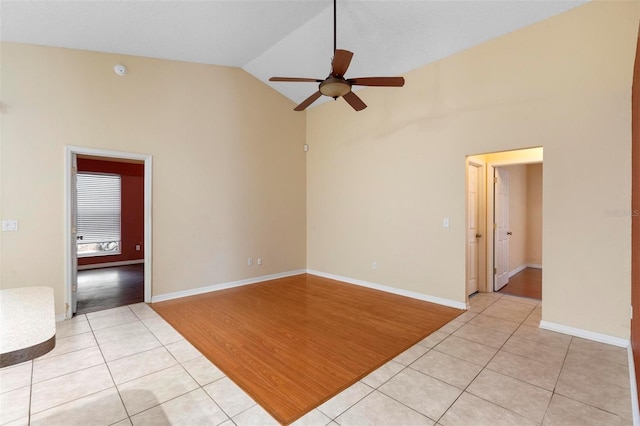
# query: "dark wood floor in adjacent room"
{"points": [[295, 342], [526, 283], [107, 288]]}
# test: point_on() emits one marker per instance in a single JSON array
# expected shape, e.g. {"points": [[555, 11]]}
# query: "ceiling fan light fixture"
{"points": [[334, 87]]}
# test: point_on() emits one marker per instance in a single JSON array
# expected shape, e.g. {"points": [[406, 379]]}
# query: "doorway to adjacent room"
{"points": [[504, 223], [108, 235]]}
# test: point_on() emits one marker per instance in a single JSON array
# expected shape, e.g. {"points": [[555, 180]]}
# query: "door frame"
{"points": [[70, 152], [482, 230], [491, 166]]}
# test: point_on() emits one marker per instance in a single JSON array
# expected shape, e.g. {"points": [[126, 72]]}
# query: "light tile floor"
{"points": [[490, 366]]}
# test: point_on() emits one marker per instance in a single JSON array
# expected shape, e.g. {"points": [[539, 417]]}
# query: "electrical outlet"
{"points": [[9, 225], [374, 265], [137, 247], [249, 261], [259, 261], [445, 222]]}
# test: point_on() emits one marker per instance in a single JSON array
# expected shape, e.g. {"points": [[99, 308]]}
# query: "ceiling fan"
{"points": [[336, 85]]}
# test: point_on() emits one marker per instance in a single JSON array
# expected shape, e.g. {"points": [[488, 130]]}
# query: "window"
{"points": [[98, 214]]}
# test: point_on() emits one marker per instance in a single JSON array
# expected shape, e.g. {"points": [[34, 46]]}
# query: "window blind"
{"points": [[98, 208]]}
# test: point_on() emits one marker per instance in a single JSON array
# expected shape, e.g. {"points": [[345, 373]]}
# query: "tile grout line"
{"points": [[409, 366], [483, 368], [348, 408], [405, 367], [374, 389], [109, 370], [30, 394], [488, 362], [553, 392], [573, 399], [30, 413], [164, 346]]}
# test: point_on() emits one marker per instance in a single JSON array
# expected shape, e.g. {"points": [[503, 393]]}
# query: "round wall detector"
{"points": [[120, 69]]}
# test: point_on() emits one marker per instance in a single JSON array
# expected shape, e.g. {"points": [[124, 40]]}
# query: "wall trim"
{"points": [[585, 334], [393, 290], [635, 409], [517, 270], [110, 264], [523, 267], [223, 286]]}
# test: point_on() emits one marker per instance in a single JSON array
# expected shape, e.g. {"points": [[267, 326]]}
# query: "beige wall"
{"points": [[534, 214], [380, 181], [228, 164], [229, 172]]}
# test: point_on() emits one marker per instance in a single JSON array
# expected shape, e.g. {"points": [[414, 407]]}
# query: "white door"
{"points": [[74, 231], [501, 220], [472, 228]]}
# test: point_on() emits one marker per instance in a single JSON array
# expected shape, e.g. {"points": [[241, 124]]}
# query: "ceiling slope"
{"points": [[275, 37]]}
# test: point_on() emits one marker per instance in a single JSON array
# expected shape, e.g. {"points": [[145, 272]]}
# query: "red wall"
{"points": [[132, 197]]}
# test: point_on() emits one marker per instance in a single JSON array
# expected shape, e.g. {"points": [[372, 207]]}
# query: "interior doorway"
{"points": [[117, 271], [509, 238], [110, 233]]}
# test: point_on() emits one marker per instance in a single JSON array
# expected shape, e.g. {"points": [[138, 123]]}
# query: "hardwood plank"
{"points": [[111, 287], [295, 342], [526, 283]]}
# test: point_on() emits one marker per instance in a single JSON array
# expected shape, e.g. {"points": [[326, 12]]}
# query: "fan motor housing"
{"points": [[335, 87]]}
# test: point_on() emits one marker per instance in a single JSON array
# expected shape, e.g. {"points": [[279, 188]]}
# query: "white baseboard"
{"points": [[518, 269], [393, 290], [110, 264], [585, 334], [60, 317], [635, 409], [223, 286], [523, 267]]}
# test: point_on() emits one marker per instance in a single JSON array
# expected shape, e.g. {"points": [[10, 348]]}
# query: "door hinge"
{"points": [[495, 226], [495, 180], [495, 271]]}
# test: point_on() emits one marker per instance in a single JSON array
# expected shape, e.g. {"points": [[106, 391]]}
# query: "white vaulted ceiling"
{"points": [[275, 37]]}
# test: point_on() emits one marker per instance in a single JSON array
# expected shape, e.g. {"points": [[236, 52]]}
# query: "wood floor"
{"points": [[293, 343], [107, 288], [526, 283]]}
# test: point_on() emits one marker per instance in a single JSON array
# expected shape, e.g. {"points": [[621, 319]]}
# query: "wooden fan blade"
{"points": [[311, 99], [341, 61], [296, 79], [355, 101], [377, 81]]}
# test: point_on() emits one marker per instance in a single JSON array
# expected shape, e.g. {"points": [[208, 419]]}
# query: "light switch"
{"points": [[445, 222], [9, 225]]}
